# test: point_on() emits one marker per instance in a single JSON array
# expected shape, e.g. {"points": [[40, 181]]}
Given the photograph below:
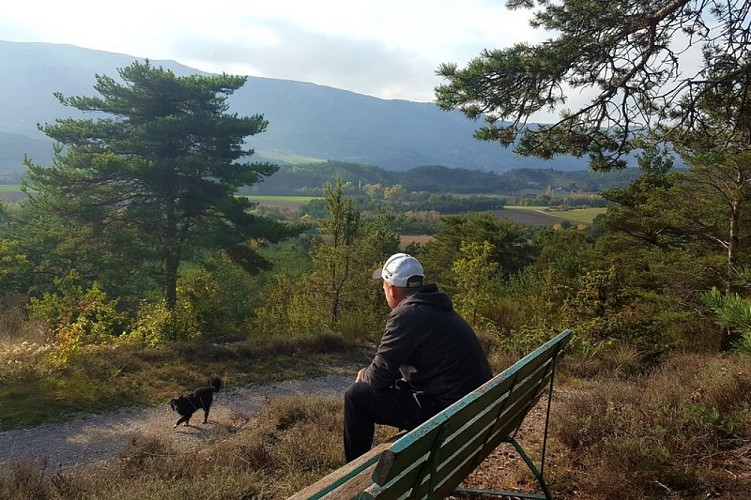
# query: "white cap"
{"points": [[398, 269]]}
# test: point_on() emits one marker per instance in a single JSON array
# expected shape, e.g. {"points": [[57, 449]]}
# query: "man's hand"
{"points": [[359, 375]]}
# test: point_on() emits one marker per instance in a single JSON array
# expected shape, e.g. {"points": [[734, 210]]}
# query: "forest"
{"points": [[137, 239]]}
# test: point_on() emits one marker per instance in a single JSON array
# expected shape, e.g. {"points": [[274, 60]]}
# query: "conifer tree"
{"points": [[641, 65], [153, 173]]}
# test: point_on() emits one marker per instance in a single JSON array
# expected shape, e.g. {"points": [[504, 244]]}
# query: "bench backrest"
{"points": [[431, 460]]}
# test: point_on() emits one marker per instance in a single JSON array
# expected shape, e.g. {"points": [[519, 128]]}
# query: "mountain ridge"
{"points": [[305, 119]]}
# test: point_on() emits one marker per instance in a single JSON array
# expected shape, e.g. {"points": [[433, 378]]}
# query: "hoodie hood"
{"points": [[430, 295]]}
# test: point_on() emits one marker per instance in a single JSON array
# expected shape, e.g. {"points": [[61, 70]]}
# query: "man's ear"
{"points": [[393, 292]]}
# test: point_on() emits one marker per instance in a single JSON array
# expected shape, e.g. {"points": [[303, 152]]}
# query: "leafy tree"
{"points": [[75, 316], [696, 218], [634, 57], [154, 173], [719, 178], [337, 293], [475, 277], [707, 203], [638, 208], [510, 242], [334, 260], [712, 205], [380, 237]]}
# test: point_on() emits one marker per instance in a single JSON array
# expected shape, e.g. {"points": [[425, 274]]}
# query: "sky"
{"points": [[385, 48]]}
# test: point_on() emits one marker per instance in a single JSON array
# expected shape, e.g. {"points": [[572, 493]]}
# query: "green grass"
{"points": [[283, 156], [10, 188]]}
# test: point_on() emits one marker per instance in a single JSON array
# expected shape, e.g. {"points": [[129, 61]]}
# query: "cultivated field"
{"points": [[11, 192], [283, 203], [547, 217]]}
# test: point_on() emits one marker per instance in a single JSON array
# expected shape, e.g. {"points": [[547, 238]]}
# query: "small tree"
{"points": [[732, 312], [476, 277], [510, 242], [334, 260]]}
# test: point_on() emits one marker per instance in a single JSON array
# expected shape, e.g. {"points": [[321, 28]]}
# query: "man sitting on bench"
{"points": [[428, 358]]}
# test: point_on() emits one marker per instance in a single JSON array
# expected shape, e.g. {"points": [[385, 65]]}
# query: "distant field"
{"points": [[282, 202], [291, 199], [538, 215], [407, 239], [11, 193], [522, 214]]}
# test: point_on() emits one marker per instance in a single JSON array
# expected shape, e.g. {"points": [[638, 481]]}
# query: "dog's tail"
{"points": [[217, 383]]}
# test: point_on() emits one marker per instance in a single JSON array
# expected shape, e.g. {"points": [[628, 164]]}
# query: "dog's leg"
{"points": [[206, 413], [185, 419]]}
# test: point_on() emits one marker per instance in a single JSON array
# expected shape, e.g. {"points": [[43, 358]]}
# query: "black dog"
{"points": [[187, 404]]}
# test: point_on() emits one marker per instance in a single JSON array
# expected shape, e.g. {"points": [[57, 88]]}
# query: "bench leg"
{"points": [[515, 494]]}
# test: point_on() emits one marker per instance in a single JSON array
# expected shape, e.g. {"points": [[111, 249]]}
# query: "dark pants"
{"points": [[364, 407]]}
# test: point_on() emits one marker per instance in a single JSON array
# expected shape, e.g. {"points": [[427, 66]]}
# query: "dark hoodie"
{"points": [[429, 346]]}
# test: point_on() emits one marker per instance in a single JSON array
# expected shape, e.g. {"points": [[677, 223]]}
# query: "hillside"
{"points": [[305, 120], [310, 178]]}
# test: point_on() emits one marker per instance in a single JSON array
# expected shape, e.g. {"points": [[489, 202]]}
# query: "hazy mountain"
{"points": [[305, 120]]}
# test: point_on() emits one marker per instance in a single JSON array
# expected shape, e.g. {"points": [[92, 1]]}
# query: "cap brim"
{"points": [[377, 274]]}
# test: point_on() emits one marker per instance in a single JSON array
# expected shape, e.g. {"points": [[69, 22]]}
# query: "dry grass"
{"points": [[420, 239], [682, 430], [34, 389], [295, 441]]}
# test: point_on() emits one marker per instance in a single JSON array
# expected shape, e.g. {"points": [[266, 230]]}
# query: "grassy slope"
{"points": [[35, 387], [680, 431]]}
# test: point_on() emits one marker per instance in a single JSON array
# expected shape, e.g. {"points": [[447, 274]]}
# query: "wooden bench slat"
{"points": [[487, 425], [456, 467], [422, 439]]}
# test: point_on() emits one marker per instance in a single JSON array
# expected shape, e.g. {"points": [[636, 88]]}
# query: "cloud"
{"points": [[288, 52], [386, 48]]}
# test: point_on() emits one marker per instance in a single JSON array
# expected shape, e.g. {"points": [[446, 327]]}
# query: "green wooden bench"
{"points": [[433, 459]]}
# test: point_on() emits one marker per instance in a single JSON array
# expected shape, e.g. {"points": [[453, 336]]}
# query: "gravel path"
{"points": [[93, 438]]}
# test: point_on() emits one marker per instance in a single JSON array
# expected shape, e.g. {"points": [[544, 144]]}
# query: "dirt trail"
{"points": [[91, 438]]}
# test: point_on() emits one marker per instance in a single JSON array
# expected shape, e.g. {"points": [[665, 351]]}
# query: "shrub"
{"points": [[156, 324], [660, 436], [14, 321], [76, 317]]}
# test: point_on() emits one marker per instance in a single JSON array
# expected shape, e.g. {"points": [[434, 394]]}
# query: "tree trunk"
{"points": [[171, 257], [733, 241]]}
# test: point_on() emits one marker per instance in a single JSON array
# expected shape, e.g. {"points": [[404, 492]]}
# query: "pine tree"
{"points": [[153, 174]]}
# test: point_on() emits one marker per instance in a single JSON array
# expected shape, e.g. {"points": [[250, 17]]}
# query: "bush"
{"points": [[665, 435], [76, 317], [14, 321]]}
